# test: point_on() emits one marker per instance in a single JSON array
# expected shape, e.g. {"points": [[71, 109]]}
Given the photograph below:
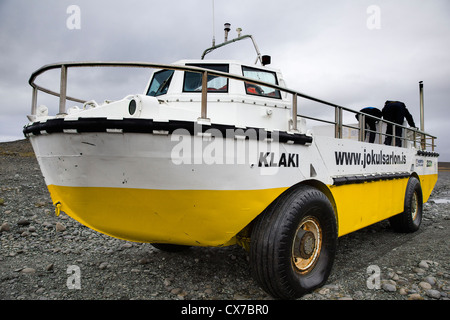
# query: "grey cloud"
{"points": [[323, 47]]}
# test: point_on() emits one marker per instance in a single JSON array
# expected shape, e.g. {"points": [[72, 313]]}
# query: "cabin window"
{"points": [[193, 80], [261, 75], [160, 83]]}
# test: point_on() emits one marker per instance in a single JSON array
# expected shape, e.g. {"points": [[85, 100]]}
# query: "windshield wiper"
{"points": [[164, 85]]}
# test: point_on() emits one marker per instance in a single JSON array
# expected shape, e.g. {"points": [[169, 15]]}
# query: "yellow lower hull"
{"points": [[214, 217], [189, 217], [360, 205]]}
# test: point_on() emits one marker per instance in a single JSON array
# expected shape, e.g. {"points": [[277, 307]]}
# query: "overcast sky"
{"points": [[354, 53]]}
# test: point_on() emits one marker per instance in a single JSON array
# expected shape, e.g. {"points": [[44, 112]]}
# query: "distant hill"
{"points": [[444, 166], [21, 148]]}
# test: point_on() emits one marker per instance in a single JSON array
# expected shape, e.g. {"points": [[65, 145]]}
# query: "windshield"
{"points": [[261, 75], [160, 83], [193, 80]]}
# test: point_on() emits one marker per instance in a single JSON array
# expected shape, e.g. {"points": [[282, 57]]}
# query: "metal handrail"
{"points": [[419, 137], [338, 123]]}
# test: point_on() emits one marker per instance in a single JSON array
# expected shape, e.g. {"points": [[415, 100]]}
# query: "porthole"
{"points": [[132, 107]]}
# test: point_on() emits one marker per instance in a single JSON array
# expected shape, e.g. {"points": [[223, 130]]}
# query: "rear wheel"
{"points": [[411, 218], [293, 243]]}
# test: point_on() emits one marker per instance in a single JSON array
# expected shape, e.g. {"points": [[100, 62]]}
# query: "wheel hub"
{"points": [[307, 245], [414, 206]]}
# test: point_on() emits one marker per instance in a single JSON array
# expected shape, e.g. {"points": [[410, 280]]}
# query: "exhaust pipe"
{"points": [[422, 121]]}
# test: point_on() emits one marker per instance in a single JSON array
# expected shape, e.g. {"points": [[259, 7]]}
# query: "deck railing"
{"points": [[420, 139]]}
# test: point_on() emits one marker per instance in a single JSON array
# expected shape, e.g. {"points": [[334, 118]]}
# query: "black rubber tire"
{"points": [[272, 242], [411, 218], [170, 247]]}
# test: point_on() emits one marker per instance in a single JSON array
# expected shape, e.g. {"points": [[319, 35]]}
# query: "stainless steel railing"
{"points": [[419, 138]]}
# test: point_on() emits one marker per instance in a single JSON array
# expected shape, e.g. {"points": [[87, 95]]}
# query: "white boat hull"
{"points": [[202, 190]]}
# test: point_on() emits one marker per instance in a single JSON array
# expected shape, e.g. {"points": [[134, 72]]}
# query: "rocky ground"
{"points": [[44, 257]]}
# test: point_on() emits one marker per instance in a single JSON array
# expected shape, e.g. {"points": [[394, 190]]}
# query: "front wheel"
{"points": [[411, 218], [293, 243]]}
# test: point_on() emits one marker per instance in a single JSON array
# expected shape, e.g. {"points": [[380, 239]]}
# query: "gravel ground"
{"points": [[41, 255]]}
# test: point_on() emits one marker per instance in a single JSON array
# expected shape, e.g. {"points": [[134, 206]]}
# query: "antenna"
{"points": [[214, 31]]}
